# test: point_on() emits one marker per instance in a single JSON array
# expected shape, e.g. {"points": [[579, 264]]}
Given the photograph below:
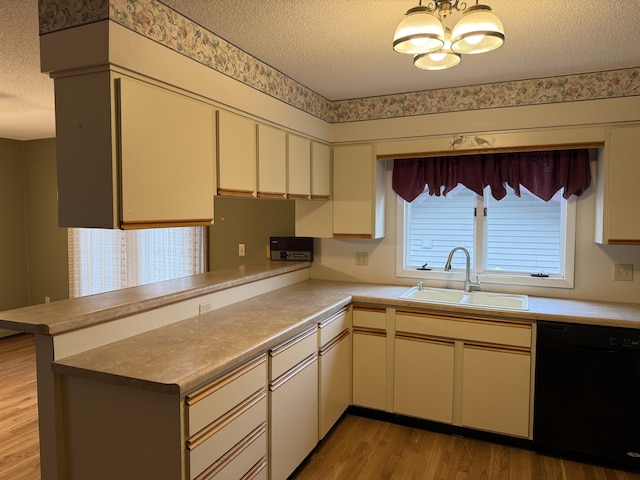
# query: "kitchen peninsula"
{"points": [[119, 373]]}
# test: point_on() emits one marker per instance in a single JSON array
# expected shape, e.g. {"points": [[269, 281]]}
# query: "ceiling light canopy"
{"points": [[423, 33]]}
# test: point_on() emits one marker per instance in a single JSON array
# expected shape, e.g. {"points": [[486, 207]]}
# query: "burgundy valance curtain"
{"points": [[542, 173]]}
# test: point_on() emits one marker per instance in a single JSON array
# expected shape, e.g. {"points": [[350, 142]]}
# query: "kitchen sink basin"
{"points": [[500, 301]]}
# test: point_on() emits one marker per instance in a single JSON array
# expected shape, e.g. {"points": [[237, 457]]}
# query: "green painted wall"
{"points": [[33, 249], [47, 243], [250, 221], [14, 281]]}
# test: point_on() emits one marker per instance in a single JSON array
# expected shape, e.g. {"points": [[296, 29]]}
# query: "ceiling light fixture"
{"points": [[423, 33]]}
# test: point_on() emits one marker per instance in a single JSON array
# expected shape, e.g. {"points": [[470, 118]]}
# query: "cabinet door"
{"points": [[423, 378], [294, 418], [320, 171], [236, 155], [496, 389], [335, 381], [299, 167], [369, 368], [272, 162], [617, 193], [358, 192], [167, 157]]}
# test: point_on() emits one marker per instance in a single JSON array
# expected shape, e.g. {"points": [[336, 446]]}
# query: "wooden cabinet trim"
{"points": [[235, 193], [228, 457], [336, 340], [332, 318], [493, 348], [477, 320], [206, 390], [369, 331], [222, 422], [290, 343], [424, 338], [285, 377], [256, 469]]}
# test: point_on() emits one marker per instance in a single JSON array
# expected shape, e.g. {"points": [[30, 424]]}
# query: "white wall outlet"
{"points": [[205, 307], [623, 272], [362, 259], [241, 249]]}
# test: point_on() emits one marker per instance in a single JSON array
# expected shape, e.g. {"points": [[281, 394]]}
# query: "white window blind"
{"points": [[103, 260], [521, 235], [437, 224]]}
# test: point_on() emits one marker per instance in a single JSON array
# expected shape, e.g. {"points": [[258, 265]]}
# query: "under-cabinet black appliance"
{"points": [[587, 393], [291, 248]]}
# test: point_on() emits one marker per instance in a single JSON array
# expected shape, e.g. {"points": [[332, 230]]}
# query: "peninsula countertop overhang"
{"points": [[178, 358]]}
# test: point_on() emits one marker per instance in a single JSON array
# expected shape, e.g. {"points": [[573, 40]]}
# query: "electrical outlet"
{"points": [[623, 272], [241, 249], [205, 307], [362, 259]]}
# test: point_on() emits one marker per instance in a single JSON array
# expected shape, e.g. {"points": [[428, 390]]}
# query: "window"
{"points": [[517, 240], [103, 260]]}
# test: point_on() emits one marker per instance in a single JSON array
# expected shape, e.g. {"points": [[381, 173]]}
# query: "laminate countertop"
{"points": [[181, 357]]}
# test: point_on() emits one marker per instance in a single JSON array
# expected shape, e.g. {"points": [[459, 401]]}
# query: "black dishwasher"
{"points": [[587, 393]]}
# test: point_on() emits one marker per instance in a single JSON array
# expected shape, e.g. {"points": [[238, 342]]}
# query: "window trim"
{"points": [[454, 279]]}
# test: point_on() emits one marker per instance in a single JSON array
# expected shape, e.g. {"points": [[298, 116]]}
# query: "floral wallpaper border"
{"points": [[154, 20]]}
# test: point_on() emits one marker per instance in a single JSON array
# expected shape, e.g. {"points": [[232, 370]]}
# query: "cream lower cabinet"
{"points": [[369, 357], [496, 389], [293, 394], [471, 372], [334, 357], [423, 377], [227, 425]]}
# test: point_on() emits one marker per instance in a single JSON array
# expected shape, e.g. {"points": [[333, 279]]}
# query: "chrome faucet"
{"points": [[468, 284]]}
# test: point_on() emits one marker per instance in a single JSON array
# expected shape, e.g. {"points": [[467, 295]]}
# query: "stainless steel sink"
{"points": [[499, 301]]}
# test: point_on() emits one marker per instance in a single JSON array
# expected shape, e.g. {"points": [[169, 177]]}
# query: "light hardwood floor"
{"points": [[362, 449], [19, 445], [356, 449]]}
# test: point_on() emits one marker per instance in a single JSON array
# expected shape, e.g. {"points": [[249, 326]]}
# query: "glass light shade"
{"points": [[478, 31], [419, 32], [440, 59]]}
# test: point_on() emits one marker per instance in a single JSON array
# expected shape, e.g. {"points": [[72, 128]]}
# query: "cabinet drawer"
{"points": [[211, 443], [333, 326], [246, 460], [210, 402], [369, 317], [485, 331], [290, 353]]}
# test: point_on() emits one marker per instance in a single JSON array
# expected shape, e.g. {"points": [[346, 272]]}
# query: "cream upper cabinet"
{"points": [[299, 166], [617, 196], [236, 155], [272, 162], [320, 171], [167, 156], [131, 154], [358, 192]]}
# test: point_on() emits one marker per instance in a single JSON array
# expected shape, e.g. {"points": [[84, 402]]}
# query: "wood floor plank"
{"points": [[19, 442], [361, 448]]}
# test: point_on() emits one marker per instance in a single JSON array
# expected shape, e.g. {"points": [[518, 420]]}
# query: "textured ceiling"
{"points": [[341, 49]]}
